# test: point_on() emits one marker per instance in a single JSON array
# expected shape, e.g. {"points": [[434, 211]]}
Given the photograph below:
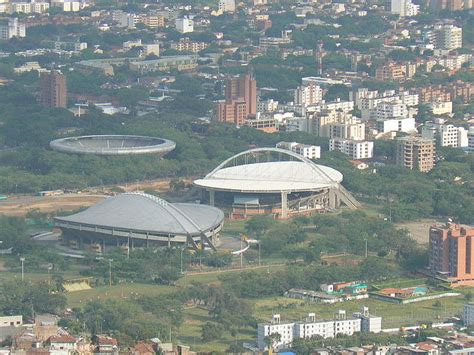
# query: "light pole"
{"points": [[259, 253], [22, 269], [50, 267], [110, 272], [181, 260]]}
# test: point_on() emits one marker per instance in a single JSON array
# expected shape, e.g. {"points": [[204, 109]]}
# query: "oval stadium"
{"points": [[142, 220], [113, 145], [276, 182]]}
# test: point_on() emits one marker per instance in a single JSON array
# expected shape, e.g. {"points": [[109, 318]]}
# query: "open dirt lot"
{"points": [[19, 206], [419, 229]]}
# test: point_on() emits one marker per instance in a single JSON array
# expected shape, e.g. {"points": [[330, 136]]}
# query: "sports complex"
{"points": [[276, 182], [113, 145], [140, 220]]}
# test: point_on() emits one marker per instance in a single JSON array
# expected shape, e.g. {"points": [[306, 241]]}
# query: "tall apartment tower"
{"points": [[243, 88], [53, 90], [448, 37], [452, 252], [240, 100], [416, 153]]}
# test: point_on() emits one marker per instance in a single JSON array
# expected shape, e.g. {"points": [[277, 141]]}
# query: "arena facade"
{"points": [[140, 220], [276, 182], [113, 145]]}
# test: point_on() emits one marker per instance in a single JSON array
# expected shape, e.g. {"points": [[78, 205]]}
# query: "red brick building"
{"points": [[452, 253], [240, 100]]}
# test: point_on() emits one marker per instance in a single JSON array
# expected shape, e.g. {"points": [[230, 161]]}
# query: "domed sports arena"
{"points": [[276, 182], [113, 145], [139, 219]]}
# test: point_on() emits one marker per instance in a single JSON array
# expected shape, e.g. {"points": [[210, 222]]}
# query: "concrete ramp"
{"points": [[345, 197]]}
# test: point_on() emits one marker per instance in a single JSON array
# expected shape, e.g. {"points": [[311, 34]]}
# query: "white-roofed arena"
{"points": [[274, 181], [139, 219]]}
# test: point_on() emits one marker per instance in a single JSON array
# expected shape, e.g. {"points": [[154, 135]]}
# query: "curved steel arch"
{"points": [[301, 158]]}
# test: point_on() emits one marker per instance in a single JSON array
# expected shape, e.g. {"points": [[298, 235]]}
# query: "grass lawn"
{"points": [[233, 227], [190, 333], [122, 291]]}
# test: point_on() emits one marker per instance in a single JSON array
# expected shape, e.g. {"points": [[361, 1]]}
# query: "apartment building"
{"points": [[451, 252], [264, 123], [233, 111], [340, 325], [404, 8], [309, 94], [152, 21], [441, 107], [226, 6], [415, 153], [356, 150], [269, 105], [390, 71], [406, 125], [186, 45], [306, 150], [240, 100], [470, 138], [366, 100], [12, 27], [447, 135], [468, 314], [388, 110], [447, 37], [184, 25], [53, 90], [337, 124]]}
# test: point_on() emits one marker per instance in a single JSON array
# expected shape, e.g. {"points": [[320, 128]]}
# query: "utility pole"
{"points": [[49, 277], [110, 272], [241, 253], [128, 246], [22, 269], [366, 249], [181, 260], [259, 253]]}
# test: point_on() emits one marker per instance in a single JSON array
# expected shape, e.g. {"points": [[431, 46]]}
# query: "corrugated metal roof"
{"points": [[143, 212]]}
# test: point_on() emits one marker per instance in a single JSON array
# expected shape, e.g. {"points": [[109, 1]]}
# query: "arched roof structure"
{"points": [[297, 174]]}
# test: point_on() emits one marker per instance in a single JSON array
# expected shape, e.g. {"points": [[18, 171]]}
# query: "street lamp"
{"points": [[110, 272], [259, 253], [50, 267], [181, 260], [22, 269]]}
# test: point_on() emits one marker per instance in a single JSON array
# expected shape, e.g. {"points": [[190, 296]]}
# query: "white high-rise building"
{"points": [[470, 138], [447, 134], [404, 8], [399, 124], [309, 94], [388, 110], [354, 149], [184, 25], [12, 28], [448, 37], [227, 5]]}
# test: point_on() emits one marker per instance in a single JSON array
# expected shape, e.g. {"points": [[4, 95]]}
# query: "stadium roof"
{"points": [[113, 145], [147, 213], [300, 174]]}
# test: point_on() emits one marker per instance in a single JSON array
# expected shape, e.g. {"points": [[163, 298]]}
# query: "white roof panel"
{"points": [[272, 177]]}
